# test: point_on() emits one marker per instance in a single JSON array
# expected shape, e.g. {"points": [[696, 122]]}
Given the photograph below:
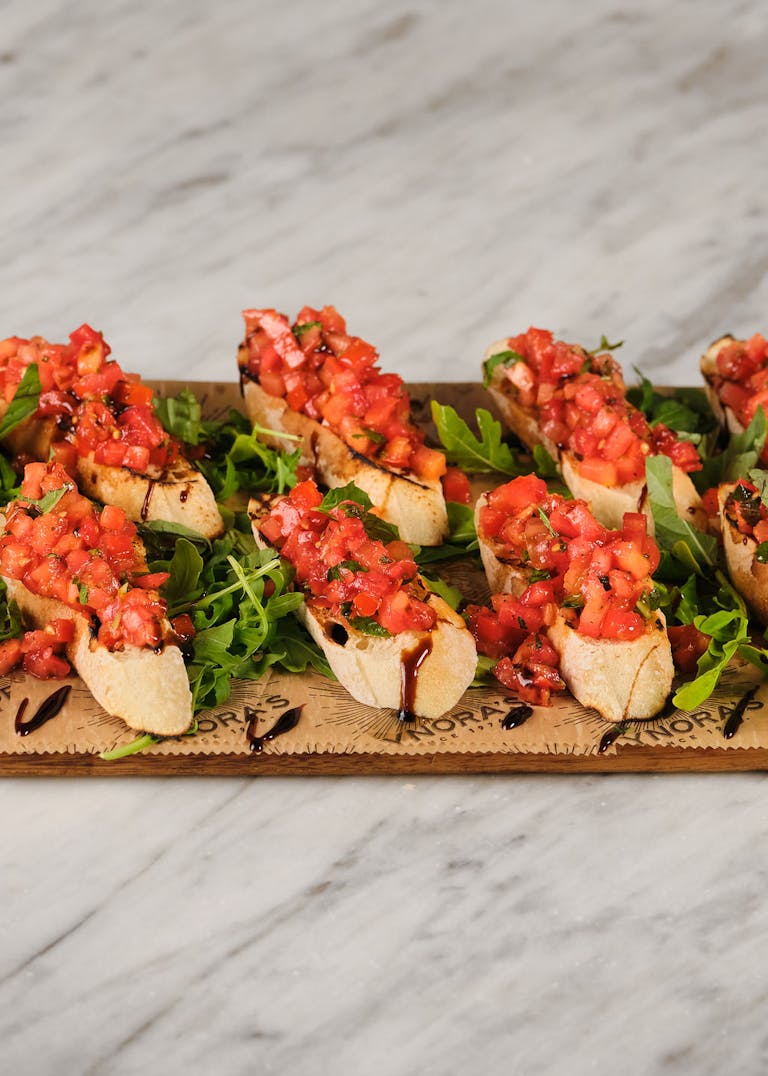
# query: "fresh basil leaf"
{"points": [[691, 546], [449, 594], [25, 402], [49, 500], [501, 358], [335, 572], [483, 454], [366, 625], [299, 330], [334, 497], [371, 435], [538, 575], [378, 529], [82, 592]]}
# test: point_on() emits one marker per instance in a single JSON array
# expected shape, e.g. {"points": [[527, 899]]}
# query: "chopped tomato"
{"points": [[333, 377], [338, 565], [91, 561], [688, 644], [456, 486]]}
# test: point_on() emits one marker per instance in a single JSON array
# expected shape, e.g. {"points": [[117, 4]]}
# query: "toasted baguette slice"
{"points": [[621, 680], [417, 508], [149, 691], [179, 495], [724, 414], [607, 503], [747, 574], [420, 673]]}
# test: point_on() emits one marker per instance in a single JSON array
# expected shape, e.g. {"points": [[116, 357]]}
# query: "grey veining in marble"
{"points": [[446, 174]]}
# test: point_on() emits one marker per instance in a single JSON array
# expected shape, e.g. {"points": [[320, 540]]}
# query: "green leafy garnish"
{"points": [[483, 670], [49, 500], [501, 358], [336, 571], [696, 549], [371, 435], [25, 402], [605, 346], [545, 520], [483, 454], [181, 415], [740, 456], [10, 615], [299, 330], [334, 497], [761, 553], [367, 625], [449, 594], [132, 748]]}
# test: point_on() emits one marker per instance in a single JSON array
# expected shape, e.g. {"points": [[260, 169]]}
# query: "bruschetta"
{"points": [[744, 525], [316, 383], [574, 404], [390, 641], [101, 425], [570, 599], [63, 560], [736, 380]]}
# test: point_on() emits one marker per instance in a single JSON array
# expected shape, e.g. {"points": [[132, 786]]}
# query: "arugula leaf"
{"points": [[605, 346], [546, 466], [235, 457], [451, 595], [132, 748], [25, 400], [729, 629], [481, 455], [181, 416], [186, 566], [165, 528], [740, 456], [501, 358], [461, 523], [694, 548], [9, 482]]}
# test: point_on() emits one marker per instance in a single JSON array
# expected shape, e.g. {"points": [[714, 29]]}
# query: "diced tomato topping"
{"points": [[688, 644], [568, 560], [91, 561], [323, 372], [744, 510], [341, 568], [741, 379], [581, 405], [456, 486], [100, 410]]}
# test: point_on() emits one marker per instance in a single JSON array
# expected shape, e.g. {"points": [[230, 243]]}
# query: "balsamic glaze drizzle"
{"points": [[517, 716], [732, 725], [47, 709], [285, 722]]}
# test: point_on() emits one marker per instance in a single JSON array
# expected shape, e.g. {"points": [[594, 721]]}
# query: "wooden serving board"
{"points": [[336, 735]]}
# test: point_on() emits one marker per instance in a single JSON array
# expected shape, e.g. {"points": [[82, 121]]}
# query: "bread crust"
{"points": [[607, 504], [416, 508], [149, 691], [621, 680], [181, 495], [371, 668], [748, 576]]}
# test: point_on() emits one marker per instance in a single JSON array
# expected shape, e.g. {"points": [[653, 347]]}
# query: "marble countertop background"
{"points": [[445, 174]]}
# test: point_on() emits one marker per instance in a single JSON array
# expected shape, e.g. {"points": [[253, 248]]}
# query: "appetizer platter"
{"points": [[319, 570]]}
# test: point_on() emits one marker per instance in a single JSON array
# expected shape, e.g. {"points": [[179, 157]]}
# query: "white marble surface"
{"points": [[446, 174]]}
